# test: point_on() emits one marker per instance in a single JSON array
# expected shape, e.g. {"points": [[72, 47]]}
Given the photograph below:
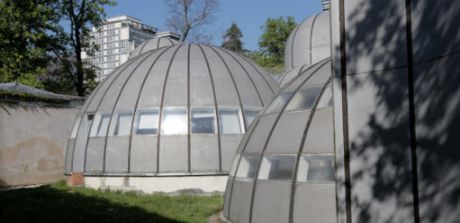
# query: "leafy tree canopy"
{"points": [[29, 31], [275, 34], [232, 39]]}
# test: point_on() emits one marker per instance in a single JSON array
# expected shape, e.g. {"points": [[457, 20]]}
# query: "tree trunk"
{"points": [[80, 73]]}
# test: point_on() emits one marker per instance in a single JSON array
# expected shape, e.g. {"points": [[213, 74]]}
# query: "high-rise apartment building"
{"points": [[116, 38], [326, 4]]}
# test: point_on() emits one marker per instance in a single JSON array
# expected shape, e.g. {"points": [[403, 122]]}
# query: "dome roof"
{"points": [[284, 167], [309, 42], [152, 44], [177, 110]]}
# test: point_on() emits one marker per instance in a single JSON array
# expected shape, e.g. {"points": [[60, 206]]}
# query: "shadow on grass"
{"points": [[48, 204]]}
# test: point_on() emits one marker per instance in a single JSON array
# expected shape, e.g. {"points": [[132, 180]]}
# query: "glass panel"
{"points": [[316, 168], [203, 121], [147, 122], [248, 167], [304, 99], [235, 164], [123, 126], [75, 128], [174, 121], [326, 98], [103, 125], [279, 102], [230, 122], [278, 167], [250, 115]]}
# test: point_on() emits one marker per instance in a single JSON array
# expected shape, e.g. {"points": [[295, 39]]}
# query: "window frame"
{"points": [[115, 130], [245, 160], [97, 121], [240, 119], [214, 124], [250, 109], [302, 174], [266, 166], [139, 112], [163, 115]]}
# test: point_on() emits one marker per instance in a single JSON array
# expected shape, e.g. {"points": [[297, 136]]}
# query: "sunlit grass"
{"points": [[60, 203]]}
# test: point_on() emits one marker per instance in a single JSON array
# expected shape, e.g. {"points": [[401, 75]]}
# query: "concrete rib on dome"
{"points": [[152, 44], [168, 90], [309, 42], [284, 167]]}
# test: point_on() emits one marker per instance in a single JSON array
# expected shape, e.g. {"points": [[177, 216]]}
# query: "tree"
{"points": [[29, 32], [82, 14], [186, 15], [232, 39], [273, 40]]}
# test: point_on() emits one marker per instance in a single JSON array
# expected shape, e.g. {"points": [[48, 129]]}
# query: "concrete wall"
{"points": [[396, 105], [33, 139]]}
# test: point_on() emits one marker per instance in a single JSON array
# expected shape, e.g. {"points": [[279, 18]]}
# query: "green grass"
{"points": [[59, 203]]}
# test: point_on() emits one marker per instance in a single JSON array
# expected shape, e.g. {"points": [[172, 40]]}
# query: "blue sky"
{"points": [[250, 15]]}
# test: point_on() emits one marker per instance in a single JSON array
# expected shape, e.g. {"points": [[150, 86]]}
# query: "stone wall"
{"points": [[33, 139]]}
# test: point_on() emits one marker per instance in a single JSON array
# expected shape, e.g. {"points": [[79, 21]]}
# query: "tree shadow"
{"points": [[379, 110], [47, 204]]}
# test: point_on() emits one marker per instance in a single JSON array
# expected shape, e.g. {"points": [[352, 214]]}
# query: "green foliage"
{"points": [[232, 39], [82, 15], [36, 51], [60, 203], [29, 31], [266, 62], [273, 40]]}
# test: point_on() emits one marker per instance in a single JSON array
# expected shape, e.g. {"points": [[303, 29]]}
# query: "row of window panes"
{"points": [[174, 121], [304, 99], [312, 168]]}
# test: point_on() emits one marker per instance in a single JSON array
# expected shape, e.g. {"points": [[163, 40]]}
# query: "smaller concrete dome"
{"points": [[284, 167], [309, 42], [152, 44]]}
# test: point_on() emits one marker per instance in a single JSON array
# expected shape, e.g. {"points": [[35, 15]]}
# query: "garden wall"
{"points": [[33, 137]]}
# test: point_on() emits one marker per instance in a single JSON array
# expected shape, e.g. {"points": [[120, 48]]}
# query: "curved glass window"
{"points": [[100, 125], [203, 121], [75, 128], [250, 115], [230, 122], [147, 122], [326, 98], [304, 99], [316, 168], [279, 102], [248, 167], [174, 121], [277, 167], [235, 164], [123, 126]]}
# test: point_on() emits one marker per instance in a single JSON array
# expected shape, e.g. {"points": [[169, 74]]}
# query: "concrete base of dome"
{"points": [[165, 184]]}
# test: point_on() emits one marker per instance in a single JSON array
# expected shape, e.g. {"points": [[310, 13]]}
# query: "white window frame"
{"points": [[146, 111], [240, 117]]}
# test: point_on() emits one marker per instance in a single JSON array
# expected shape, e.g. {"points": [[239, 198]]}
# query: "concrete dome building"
{"points": [[284, 168], [309, 43], [152, 44], [175, 111]]}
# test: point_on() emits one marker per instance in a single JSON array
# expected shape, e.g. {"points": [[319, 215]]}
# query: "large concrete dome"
{"points": [[309, 42], [178, 110], [284, 168], [152, 44]]}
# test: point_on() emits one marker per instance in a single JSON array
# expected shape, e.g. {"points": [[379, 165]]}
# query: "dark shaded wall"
{"points": [[33, 139], [396, 95]]}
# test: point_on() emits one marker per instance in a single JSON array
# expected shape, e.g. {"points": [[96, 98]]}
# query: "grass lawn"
{"points": [[59, 203]]}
